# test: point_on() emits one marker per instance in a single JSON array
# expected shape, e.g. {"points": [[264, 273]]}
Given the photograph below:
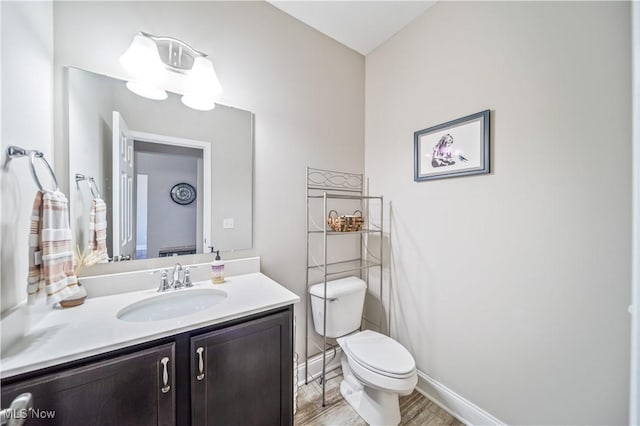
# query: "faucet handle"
{"points": [[164, 282], [187, 278]]}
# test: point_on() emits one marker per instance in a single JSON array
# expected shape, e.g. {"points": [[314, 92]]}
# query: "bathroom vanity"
{"points": [[228, 364]]}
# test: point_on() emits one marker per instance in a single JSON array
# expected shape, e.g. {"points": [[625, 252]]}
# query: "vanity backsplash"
{"points": [[106, 285]]}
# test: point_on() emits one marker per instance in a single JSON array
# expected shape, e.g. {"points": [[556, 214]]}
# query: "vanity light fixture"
{"points": [[159, 62], [142, 59]]}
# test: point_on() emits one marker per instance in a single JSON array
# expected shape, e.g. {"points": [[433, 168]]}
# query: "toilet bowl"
{"points": [[376, 371]]}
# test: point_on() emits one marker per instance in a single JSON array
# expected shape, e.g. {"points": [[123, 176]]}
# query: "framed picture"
{"points": [[456, 148]]}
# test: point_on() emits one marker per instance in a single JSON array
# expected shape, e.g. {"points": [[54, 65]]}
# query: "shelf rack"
{"points": [[328, 185]]}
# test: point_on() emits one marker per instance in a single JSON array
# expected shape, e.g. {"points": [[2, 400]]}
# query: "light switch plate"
{"points": [[227, 223]]}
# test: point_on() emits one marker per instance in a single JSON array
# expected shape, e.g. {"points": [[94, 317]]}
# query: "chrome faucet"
{"points": [[177, 283], [180, 278]]}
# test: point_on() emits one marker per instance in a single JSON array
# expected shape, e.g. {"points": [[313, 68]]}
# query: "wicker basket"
{"points": [[345, 223]]}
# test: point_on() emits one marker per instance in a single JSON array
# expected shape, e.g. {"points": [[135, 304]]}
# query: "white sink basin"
{"points": [[171, 304]]}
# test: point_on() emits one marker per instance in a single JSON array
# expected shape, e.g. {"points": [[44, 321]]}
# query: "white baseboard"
{"points": [[315, 365], [464, 410]]}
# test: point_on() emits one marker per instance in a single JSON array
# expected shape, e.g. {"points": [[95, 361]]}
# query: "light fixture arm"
{"points": [[176, 55]]}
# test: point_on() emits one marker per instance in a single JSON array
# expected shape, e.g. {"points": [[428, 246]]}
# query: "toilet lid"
{"points": [[380, 353]]}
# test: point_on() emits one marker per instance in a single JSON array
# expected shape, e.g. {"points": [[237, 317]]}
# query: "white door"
{"points": [[122, 199]]}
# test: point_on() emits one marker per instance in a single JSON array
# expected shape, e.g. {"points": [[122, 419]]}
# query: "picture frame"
{"points": [[456, 148]]}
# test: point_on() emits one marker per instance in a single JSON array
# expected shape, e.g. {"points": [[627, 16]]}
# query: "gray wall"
{"points": [[512, 288], [305, 89]]}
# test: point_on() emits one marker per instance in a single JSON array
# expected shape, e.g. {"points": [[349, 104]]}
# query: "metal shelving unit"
{"points": [[327, 185]]}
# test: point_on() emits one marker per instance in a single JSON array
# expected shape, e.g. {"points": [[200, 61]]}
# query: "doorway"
{"points": [[167, 187]]}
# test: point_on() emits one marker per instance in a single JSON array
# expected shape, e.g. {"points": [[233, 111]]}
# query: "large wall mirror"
{"points": [[175, 180]]}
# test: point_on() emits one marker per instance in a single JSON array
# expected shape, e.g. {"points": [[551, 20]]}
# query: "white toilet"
{"points": [[376, 368]]}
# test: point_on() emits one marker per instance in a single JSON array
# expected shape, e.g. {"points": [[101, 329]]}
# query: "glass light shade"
{"points": [[199, 102], [143, 60], [202, 79], [147, 91]]}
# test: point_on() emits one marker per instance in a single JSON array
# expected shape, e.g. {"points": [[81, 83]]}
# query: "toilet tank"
{"points": [[345, 300]]}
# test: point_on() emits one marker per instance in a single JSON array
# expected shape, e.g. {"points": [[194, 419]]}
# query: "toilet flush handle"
{"points": [[329, 299]]}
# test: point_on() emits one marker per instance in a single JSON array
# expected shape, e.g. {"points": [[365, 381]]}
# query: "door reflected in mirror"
{"points": [[173, 178]]}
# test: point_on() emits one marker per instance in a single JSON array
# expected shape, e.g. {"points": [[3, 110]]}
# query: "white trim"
{"points": [[206, 184], [634, 309], [315, 365], [464, 410]]}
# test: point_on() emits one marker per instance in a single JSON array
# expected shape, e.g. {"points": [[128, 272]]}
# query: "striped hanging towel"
{"points": [[50, 256], [98, 227]]}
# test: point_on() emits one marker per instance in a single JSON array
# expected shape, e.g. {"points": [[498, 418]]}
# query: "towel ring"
{"points": [[37, 154], [93, 187]]}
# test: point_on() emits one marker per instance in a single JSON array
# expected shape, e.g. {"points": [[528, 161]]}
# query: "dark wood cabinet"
{"points": [[126, 390], [236, 373], [242, 375]]}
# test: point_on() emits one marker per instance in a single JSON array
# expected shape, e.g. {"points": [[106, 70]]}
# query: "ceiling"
{"points": [[360, 25]]}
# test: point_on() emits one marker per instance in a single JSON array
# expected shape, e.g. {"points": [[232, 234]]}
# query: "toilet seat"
{"points": [[379, 354]]}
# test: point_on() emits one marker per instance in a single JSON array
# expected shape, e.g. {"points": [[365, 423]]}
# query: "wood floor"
{"points": [[415, 409]]}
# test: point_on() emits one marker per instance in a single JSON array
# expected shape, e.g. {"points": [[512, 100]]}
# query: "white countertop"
{"points": [[64, 335]]}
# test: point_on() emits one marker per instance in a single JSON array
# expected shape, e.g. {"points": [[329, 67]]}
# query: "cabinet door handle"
{"points": [[165, 375], [200, 363], [16, 414]]}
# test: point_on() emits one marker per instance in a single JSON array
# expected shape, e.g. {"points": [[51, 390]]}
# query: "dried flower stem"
{"points": [[87, 258]]}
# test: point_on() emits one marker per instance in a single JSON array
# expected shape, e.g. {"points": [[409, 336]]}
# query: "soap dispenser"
{"points": [[217, 270]]}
